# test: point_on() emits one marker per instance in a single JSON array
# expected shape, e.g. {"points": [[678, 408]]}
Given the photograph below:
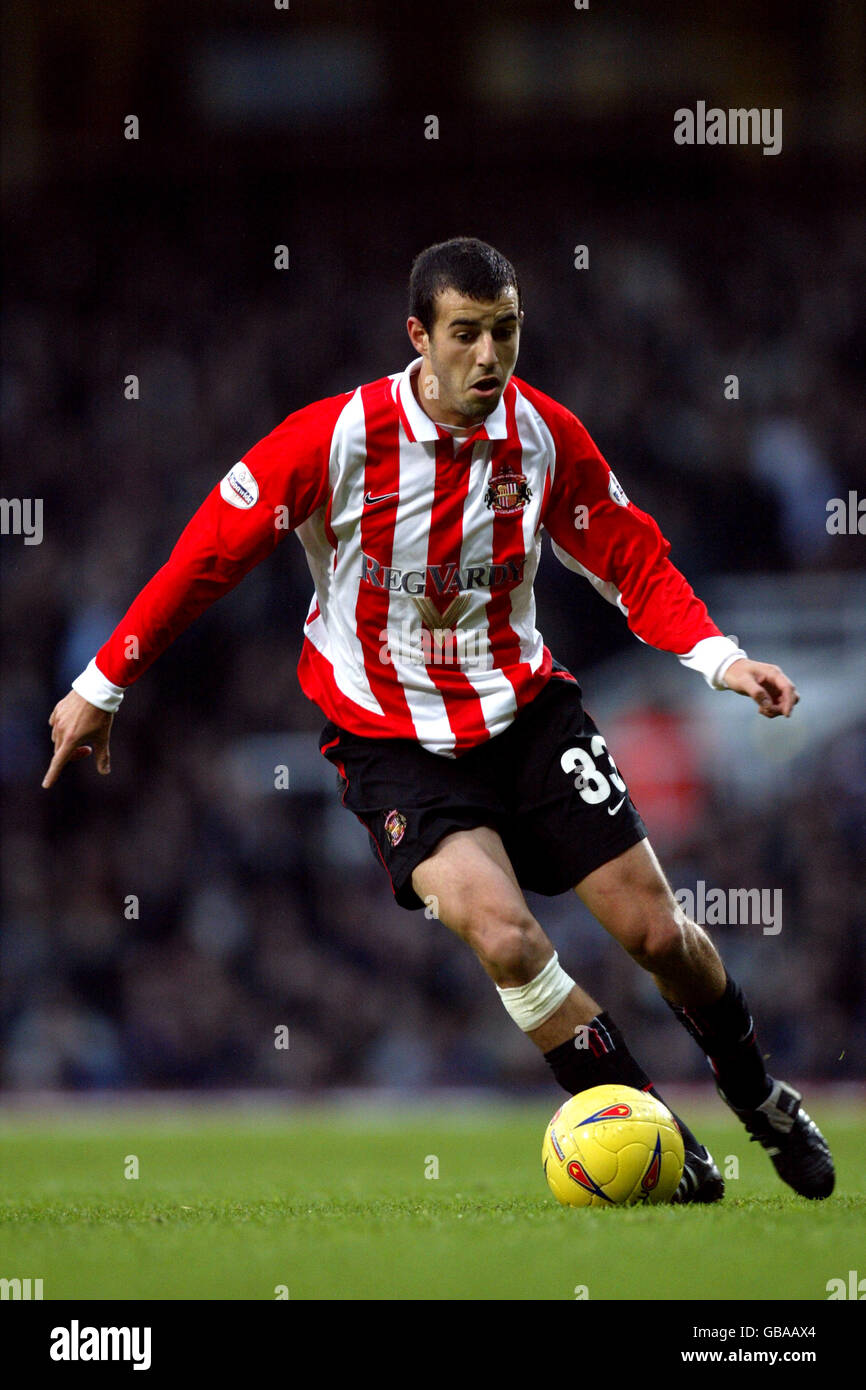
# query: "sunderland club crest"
{"points": [[507, 493], [395, 827]]}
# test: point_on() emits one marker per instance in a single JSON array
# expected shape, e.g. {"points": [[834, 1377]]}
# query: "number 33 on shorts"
{"points": [[593, 784]]}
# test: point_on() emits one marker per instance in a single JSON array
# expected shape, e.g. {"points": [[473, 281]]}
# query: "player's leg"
{"points": [[469, 877], [472, 882], [431, 821], [632, 899]]}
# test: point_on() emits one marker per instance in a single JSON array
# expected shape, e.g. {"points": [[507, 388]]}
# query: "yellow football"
{"points": [[612, 1146]]}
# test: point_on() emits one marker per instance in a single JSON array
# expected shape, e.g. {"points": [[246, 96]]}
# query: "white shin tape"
{"points": [[531, 1005]]}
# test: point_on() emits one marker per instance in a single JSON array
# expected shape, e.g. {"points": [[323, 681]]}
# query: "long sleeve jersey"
{"points": [[423, 550]]}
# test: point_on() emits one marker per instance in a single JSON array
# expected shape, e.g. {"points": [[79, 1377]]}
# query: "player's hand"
{"points": [[78, 729], [769, 687]]}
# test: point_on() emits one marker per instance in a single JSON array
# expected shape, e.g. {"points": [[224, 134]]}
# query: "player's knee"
{"points": [[509, 944], [659, 939]]}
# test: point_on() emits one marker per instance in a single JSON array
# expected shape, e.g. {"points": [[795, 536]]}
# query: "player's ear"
{"points": [[418, 336]]}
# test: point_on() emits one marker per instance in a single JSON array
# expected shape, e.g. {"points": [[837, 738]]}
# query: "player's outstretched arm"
{"points": [[78, 729], [770, 688], [276, 487]]}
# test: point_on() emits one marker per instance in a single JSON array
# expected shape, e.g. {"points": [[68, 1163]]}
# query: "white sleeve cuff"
{"points": [[711, 657], [92, 686]]}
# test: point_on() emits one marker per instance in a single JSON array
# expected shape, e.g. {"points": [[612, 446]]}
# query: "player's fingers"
{"points": [[55, 767], [103, 759], [745, 684], [782, 695], [66, 753], [756, 691]]}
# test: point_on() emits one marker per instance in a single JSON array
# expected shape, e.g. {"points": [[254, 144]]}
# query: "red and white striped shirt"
{"points": [[423, 550]]}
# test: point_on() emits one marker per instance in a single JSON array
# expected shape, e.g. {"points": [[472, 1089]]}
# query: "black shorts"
{"points": [[548, 786]]}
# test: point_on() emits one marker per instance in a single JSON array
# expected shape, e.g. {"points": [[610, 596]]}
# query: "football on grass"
{"points": [[612, 1146]]}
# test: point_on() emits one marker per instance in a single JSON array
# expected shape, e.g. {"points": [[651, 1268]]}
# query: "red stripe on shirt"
{"points": [[316, 678], [381, 477], [451, 488]]}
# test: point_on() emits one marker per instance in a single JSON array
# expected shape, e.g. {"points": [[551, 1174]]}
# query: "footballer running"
{"points": [[420, 501]]}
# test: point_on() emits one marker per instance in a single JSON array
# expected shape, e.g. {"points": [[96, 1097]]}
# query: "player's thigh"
{"points": [[474, 891], [632, 899], [470, 876]]}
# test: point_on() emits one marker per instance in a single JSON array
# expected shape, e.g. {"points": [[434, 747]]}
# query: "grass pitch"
{"points": [[330, 1205]]}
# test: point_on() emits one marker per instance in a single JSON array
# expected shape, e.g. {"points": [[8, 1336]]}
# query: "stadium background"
{"points": [[305, 128]]}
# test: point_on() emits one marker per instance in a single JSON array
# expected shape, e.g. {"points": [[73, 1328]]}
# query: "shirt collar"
{"points": [[417, 422]]}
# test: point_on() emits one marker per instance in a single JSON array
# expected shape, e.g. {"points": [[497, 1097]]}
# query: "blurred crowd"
{"points": [[159, 929]]}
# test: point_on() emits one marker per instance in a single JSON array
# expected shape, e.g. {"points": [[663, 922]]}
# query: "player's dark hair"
{"points": [[464, 264]]}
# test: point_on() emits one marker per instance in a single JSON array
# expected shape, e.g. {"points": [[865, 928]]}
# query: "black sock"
{"points": [[599, 1056], [725, 1031], [596, 1056]]}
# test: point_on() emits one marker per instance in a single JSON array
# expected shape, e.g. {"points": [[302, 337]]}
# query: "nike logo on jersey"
{"points": [[370, 500], [613, 811]]}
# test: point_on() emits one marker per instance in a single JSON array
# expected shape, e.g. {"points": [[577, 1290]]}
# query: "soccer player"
{"points": [[460, 743]]}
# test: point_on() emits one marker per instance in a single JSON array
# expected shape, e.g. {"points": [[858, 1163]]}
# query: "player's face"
{"points": [[468, 355]]}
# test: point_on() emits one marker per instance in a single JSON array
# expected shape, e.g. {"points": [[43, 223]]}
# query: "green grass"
{"points": [[336, 1206]]}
